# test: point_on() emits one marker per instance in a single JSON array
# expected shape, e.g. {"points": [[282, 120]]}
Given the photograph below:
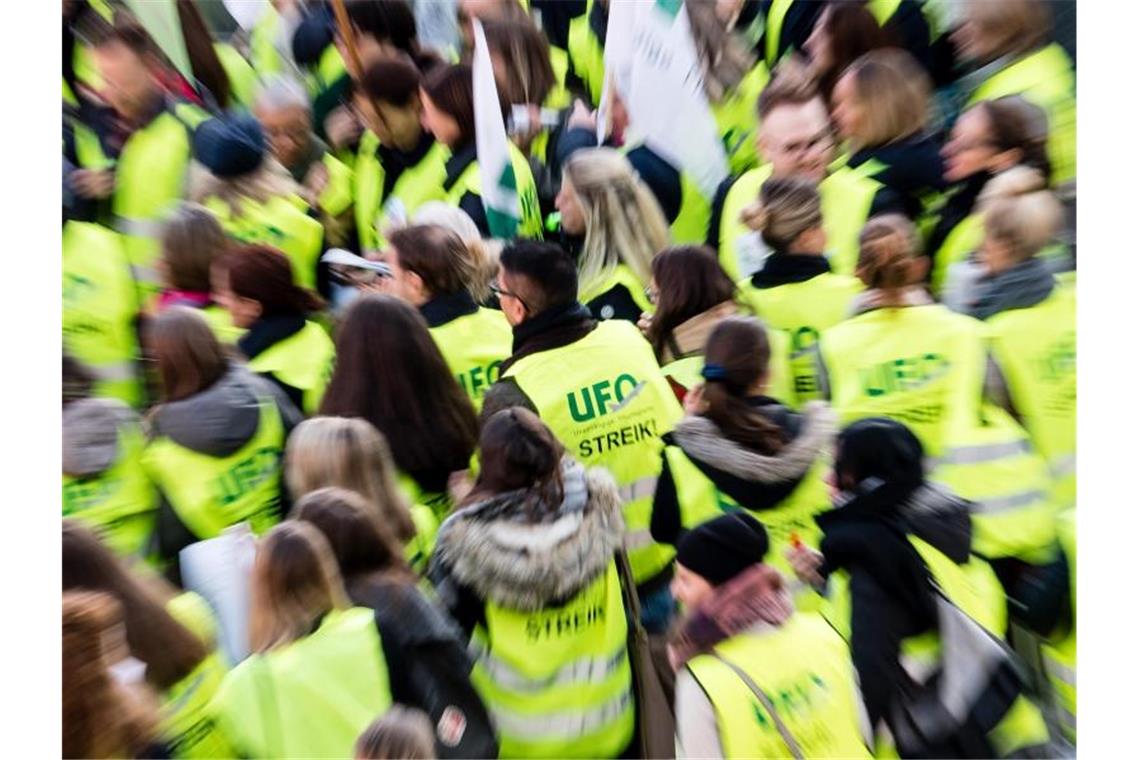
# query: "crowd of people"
{"points": [[787, 469]]}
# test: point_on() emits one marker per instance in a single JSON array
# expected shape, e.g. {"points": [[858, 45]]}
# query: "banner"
{"points": [[160, 19], [500, 187]]}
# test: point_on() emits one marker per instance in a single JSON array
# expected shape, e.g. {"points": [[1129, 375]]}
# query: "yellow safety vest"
{"points": [[210, 493], [243, 79], [692, 222], [735, 117], [263, 53], [279, 222], [804, 670], [557, 681], [1061, 658], [329, 69], [1036, 349], [470, 181], [418, 551], [416, 186], [474, 345], [1045, 78], [620, 275], [804, 310], [605, 398], [336, 198], [304, 361], [99, 309], [921, 365], [558, 97], [311, 698], [963, 240], [437, 502], [119, 503], [587, 56], [222, 324]]}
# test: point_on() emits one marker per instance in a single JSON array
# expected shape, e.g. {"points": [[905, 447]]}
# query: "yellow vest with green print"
{"points": [[119, 503], [605, 398], [587, 56], [1036, 349], [209, 494], [281, 223], [187, 724], [1061, 658], [620, 275], [805, 670], [557, 681], [803, 310], [416, 186], [99, 309], [418, 551], [921, 365], [311, 698], [736, 119], [304, 361], [530, 217], [687, 371], [474, 345], [994, 465], [243, 79]]}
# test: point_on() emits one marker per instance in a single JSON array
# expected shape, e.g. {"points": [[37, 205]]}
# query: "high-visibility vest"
{"points": [[328, 70], [474, 345], [994, 465], [846, 197], [687, 371], [222, 324], [587, 56], [735, 116], [804, 669], [120, 503], [418, 550], [242, 77], [605, 398], [804, 310], [921, 365], [336, 197], [963, 240], [311, 698], [303, 361], [558, 97], [279, 222], [557, 680], [1046, 79], [99, 309], [692, 222], [620, 275], [263, 53], [208, 493], [530, 216], [1061, 658], [774, 28], [416, 186], [439, 503], [1036, 349], [186, 721]]}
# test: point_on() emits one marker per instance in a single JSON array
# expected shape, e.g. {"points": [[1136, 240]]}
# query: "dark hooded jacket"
{"points": [[912, 167]]}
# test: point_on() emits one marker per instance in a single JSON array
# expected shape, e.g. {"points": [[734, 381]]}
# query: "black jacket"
{"points": [[470, 203], [912, 168], [266, 333], [615, 303]]}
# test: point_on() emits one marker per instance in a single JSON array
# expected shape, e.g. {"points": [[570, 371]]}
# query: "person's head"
{"points": [[361, 544], [282, 108], [1021, 217], [879, 448], [795, 133], [788, 216], [890, 255], [401, 733], [382, 28], [429, 261], [449, 105], [687, 280], [187, 355], [255, 282], [230, 147], [192, 239], [520, 57], [350, 453], [518, 451], [388, 99], [488, 12], [169, 650], [714, 553], [844, 30], [390, 372], [737, 356], [534, 277], [602, 198], [882, 97], [996, 135], [101, 718], [295, 582], [124, 57], [724, 56], [990, 30]]}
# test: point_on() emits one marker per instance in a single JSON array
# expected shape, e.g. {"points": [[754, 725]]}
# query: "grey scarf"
{"points": [[1027, 284]]}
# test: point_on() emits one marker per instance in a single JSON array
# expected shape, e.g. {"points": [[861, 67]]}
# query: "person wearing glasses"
{"points": [[795, 139]]}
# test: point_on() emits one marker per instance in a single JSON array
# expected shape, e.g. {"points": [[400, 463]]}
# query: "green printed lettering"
{"points": [[578, 415], [602, 395], [628, 380]]}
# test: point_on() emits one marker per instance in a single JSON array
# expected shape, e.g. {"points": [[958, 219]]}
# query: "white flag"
{"points": [[160, 19], [500, 186]]}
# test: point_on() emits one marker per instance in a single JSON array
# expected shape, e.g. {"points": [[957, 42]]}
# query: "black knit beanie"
{"points": [[720, 549]]}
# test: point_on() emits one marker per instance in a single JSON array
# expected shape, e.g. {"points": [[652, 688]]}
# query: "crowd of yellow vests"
{"points": [[287, 303]]}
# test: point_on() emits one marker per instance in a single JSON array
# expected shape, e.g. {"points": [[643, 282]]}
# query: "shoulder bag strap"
{"points": [[785, 734], [628, 587]]}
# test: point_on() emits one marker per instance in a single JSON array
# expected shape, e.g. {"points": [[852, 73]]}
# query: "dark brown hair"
{"points": [[187, 354], [390, 80], [192, 239], [444, 262], [361, 544], [451, 91], [739, 346], [390, 372], [264, 274], [889, 250], [526, 52], [853, 31], [690, 281], [517, 451], [1017, 124], [169, 650]]}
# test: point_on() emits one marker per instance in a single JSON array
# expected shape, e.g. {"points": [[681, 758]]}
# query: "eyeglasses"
{"points": [[500, 292], [823, 139]]}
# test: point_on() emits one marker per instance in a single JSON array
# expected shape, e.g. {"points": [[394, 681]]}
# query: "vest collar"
{"points": [[457, 164], [549, 320], [448, 307], [394, 158], [788, 268], [268, 332]]}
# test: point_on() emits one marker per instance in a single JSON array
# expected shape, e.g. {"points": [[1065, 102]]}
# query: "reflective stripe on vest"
{"points": [[474, 345], [605, 398], [304, 361]]}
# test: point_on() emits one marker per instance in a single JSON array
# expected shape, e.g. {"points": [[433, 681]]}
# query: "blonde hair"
{"points": [[889, 250], [267, 181], [1021, 211], [350, 453], [624, 223], [1017, 26], [401, 733], [787, 208], [725, 58], [894, 91], [295, 583]]}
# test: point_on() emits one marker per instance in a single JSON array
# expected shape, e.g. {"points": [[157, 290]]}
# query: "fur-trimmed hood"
{"points": [[505, 555]]}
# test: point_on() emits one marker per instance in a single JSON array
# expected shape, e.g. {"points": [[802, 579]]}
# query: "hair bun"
{"points": [[755, 217], [1016, 181]]}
